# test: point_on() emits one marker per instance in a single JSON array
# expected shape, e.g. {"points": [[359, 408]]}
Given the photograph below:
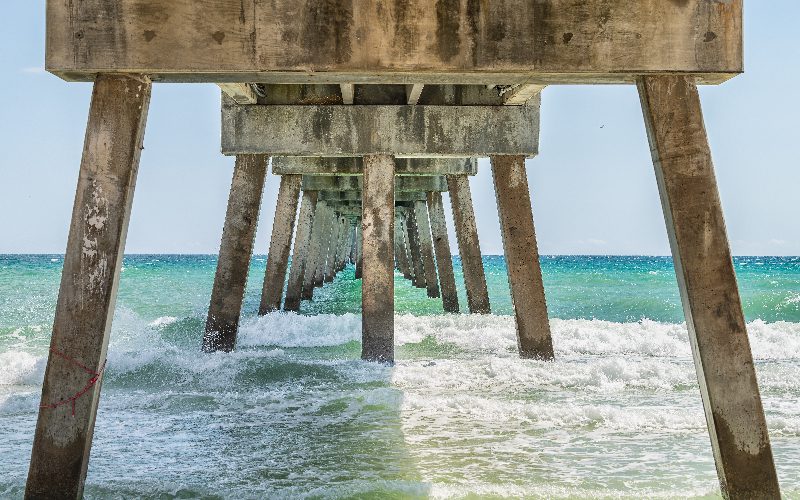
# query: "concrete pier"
{"points": [[349, 79], [377, 285], [468, 244], [301, 251], [89, 283], [314, 250], [426, 248], [707, 282], [522, 257], [441, 246], [236, 249], [415, 252], [280, 243]]}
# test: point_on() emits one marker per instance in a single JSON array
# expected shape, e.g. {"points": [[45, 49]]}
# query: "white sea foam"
{"points": [[293, 330], [21, 368], [163, 321]]}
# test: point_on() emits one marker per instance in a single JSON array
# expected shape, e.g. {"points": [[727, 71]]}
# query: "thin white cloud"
{"points": [[32, 70]]}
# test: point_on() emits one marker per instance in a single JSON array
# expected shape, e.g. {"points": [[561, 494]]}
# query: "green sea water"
{"points": [[294, 413]]}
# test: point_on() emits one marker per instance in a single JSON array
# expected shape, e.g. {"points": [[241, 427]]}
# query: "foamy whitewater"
{"points": [[294, 413]]}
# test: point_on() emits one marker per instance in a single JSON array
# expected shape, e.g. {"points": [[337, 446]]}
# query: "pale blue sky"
{"points": [[592, 186]]}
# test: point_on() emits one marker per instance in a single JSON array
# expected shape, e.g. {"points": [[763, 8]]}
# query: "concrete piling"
{"points": [[426, 248], [468, 244], [314, 250], [408, 272], [377, 286], [522, 257], [707, 283], [89, 283], [359, 250], [235, 252], [441, 246], [301, 251], [415, 252], [280, 243], [400, 247], [325, 240], [333, 248]]}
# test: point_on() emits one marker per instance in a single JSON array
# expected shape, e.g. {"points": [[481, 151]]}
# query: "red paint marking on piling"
{"points": [[95, 377]]}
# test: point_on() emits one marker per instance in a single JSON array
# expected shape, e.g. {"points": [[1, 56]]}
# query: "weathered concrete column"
{"points": [[347, 238], [300, 253], [418, 275], [333, 247], [426, 248], [469, 246], [408, 273], [351, 244], [359, 249], [441, 245], [280, 243], [89, 282], [325, 235], [707, 282], [235, 251], [351, 257], [377, 286], [400, 247], [522, 257], [314, 250]]}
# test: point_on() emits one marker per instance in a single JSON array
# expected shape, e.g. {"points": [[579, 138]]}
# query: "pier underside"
{"points": [[370, 111]]}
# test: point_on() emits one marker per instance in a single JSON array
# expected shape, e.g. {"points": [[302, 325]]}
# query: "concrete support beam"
{"points": [[522, 257], [468, 244], [354, 165], [280, 244], [460, 131], [707, 282], [315, 253], [89, 282], [353, 198], [415, 251], [377, 286], [489, 43], [337, 183], [235, 252], [520, 95], [426, 248], [347, 90], [241, 93], [302, 249], [413, 92], [441, 246]]}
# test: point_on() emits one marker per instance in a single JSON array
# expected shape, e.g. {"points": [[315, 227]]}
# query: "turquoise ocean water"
{"points": [[293, 413]]}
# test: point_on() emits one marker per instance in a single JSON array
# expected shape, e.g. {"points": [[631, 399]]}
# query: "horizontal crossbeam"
{"points": [[283, 165], [409, 131], [395, 41], [353, 183]]}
